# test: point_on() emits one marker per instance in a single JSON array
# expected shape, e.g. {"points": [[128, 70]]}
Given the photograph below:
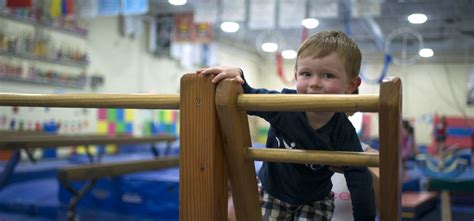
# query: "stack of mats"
{"points": [[459, 132]]}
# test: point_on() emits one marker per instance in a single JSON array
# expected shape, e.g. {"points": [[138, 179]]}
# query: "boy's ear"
{"points": [[353, 85]]}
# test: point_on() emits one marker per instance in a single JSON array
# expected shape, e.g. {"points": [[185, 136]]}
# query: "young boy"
{"points": [[327, 63]]}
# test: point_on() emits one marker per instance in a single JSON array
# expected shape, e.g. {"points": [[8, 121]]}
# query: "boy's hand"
{"points": [[221, 73]]}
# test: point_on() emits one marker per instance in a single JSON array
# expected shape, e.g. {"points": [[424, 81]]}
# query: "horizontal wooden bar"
{"points": [[308, 102], [94, 171], [134, 101], [333, 158], [51, 140]]}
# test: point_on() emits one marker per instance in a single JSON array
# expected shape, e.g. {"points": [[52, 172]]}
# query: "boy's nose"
{"points": [[316, 82]]}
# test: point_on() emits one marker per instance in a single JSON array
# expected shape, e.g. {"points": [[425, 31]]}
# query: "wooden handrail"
{"points": [[333, 158], [134, 101], [95, 171], [48, 140], [307, 102]]}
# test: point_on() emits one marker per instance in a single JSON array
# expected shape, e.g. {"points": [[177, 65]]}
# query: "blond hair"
{"points": [[326, 42]]}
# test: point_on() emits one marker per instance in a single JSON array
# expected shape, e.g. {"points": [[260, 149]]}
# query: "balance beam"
{"points": [[53, 140], [134, 101], [95, 171]]}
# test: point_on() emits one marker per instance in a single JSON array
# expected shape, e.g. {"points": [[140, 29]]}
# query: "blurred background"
{"points": [[146, 46]]}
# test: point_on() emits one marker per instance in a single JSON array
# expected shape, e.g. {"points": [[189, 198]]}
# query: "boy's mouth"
{"points": [[314, 92]]}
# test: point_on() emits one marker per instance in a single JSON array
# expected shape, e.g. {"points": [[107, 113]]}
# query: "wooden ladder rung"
{"points": [[313, 102], [334, 158]]}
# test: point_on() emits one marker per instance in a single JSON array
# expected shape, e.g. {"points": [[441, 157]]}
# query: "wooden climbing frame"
{"points": [[215, 145]]}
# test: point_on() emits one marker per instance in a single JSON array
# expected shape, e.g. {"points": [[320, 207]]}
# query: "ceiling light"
{"points": [[288, 54], [177, 2], [417, 18], [426, 52], [269, 47], [230, 26], [310, 23]]}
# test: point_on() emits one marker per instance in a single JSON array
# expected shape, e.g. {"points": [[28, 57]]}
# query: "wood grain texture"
{"points": [[334, 158], [136, 101], [390, 157], [236, 138], [308, 102], [16, 140], [203, 182], [94, 171]]}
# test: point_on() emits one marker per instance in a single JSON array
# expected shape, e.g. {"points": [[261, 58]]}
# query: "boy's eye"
{"points": [[328, 75], [305, 74]]}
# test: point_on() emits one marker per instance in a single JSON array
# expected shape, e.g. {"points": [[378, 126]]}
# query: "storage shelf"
{"points": [[42, 81], [77, 32], [45, 59]]}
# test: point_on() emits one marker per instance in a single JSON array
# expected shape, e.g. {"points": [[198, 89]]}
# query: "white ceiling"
{"points": [[449, 30]]}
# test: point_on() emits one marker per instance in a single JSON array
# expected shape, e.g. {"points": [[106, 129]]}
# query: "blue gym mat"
{"points": [[35, 192], [36, 198], [149, 194]]}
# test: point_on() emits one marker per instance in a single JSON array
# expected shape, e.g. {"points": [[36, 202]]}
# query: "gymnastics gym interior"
{"points": [[103, 117]]}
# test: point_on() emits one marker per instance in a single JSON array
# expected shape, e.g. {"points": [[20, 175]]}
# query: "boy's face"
{"points": [[325, 75]]}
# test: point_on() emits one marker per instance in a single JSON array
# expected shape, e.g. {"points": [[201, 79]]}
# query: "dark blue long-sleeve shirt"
{"points": [[306, 183]]}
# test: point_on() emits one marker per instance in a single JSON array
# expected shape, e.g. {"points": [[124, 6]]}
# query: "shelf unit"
{"points": [[46, 59], [43, 81], [77, 32]]}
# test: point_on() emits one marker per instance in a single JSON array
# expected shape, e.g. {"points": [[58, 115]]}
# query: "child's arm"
{"points": [[359, 182], [358, 179], [223, 72]]}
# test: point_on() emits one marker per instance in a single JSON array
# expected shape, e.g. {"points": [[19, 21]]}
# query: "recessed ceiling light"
{"points": [[288, 54], [269, 47], [426, 52], [230, 26], [177, 2], [310, 23], [417, 18]]}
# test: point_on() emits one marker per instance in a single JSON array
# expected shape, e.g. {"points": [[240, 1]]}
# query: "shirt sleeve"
{"points": [[268, 116]]}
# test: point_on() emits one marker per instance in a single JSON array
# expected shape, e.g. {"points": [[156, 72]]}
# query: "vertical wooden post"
{"points": [[390, 157], [202, 178], [236, 139]]}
